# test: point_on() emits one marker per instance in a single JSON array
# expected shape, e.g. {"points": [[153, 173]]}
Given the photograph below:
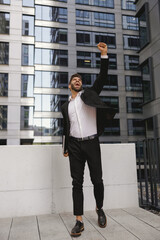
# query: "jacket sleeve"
{"points": [[102, 77], [64, 134]]}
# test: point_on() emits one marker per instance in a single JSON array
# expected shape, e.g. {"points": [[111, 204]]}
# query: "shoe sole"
{"points": [[77, 234], [102, 226]]}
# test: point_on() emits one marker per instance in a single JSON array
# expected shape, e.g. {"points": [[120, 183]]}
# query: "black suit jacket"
{"points": [[90, 97]]}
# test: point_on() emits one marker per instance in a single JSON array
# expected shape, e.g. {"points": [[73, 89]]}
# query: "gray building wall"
{"points": [[152, 50]]}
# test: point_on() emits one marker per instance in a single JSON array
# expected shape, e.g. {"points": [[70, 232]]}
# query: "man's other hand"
{"points": [[65, 154], [102, 47]]}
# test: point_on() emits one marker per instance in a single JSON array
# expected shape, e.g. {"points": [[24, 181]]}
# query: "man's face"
{"points": [[76, 84]]}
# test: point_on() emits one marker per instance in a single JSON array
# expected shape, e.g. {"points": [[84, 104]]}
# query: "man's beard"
{"points": [[75, 89]]}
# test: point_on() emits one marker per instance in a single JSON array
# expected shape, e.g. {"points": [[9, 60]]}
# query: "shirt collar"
{"points": [[70, 97]]}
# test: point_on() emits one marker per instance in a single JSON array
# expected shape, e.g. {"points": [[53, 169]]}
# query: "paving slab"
{"points": [[5, 225], [52, 228], [134, 225], [113, 230], [89, 233], [24, 228], [145, 216]]}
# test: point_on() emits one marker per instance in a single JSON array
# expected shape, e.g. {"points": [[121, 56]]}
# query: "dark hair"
{"points": [[75, 75]]}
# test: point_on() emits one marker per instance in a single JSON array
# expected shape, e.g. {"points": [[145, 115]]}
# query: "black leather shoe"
{"points": [[78, 228], [102, 221]]}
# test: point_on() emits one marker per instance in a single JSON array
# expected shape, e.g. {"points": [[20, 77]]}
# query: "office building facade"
{"points": [[42, 43], [148, 14]]}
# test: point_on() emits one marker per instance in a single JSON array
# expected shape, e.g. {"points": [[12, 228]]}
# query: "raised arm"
{"points": [[102, 77]]}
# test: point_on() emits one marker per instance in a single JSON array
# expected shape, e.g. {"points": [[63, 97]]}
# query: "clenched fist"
{"points": [[102, 47]]}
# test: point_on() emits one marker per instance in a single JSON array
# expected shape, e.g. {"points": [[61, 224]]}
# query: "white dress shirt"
{"points": [[83, 121], [82, 118]]}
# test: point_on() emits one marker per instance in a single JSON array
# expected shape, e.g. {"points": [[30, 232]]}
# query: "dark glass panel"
{"points": [[3, 84]]}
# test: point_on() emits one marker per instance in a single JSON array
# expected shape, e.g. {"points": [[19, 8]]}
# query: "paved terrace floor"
{"points": [[123, 224]]}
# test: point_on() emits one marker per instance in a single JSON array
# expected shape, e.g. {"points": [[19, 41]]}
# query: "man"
{"points": [[84, 117]]}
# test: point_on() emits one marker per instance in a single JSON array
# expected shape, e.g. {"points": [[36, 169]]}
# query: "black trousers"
{"points": [[79, 153]]}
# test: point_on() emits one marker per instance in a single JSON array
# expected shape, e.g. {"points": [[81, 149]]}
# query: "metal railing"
{"points": [[148, 169]]}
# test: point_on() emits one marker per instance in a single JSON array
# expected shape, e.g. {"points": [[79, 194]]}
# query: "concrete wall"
{"points": [[36, 180]]}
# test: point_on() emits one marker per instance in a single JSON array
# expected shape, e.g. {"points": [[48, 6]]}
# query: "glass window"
{"points": [[134, 105], [4, 53], [95, 19], [113, 128], [53, 35], [131, 62], [27, 85], [128, 5], [26, 118], [112, 101], [92, 60], [49, 103], [27, 55], [51, 57], [85, 38], [27, 25], [28, 3], [111, 82], [48, 13], [4, 1], [3, 117], [144, 30], [4, 23], [130, 22], [4, 84], [47, 126], [133, 83], [99, 3], [136, 127], [147, 80], [131, 42]]}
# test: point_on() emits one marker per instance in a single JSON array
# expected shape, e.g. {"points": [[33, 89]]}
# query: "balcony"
{"points": [[35, 196]]}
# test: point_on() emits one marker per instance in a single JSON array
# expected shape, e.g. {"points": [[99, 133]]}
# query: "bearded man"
{"points": [[84, 118]]}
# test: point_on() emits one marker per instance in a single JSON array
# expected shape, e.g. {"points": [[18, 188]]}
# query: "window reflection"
{"points": [[28, 25], [100, 3], [134, 105], [147, 79], [4, 53], [51, 57], [47, 126], [49, 103], [28, 3], [26, 118], [47, 13], [89, 78], [92, 60], [95, 18], [113, 128], [27, 55], [4, 84], [136, 127], [4, 1], [133, 83], [111, 101], [86, 38], [53, 35], [144, 30], [128, 5], [131, 42], [131, 62], [130, 22], [4, 23], [27, 85], [51, 79], [3, 117]]}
